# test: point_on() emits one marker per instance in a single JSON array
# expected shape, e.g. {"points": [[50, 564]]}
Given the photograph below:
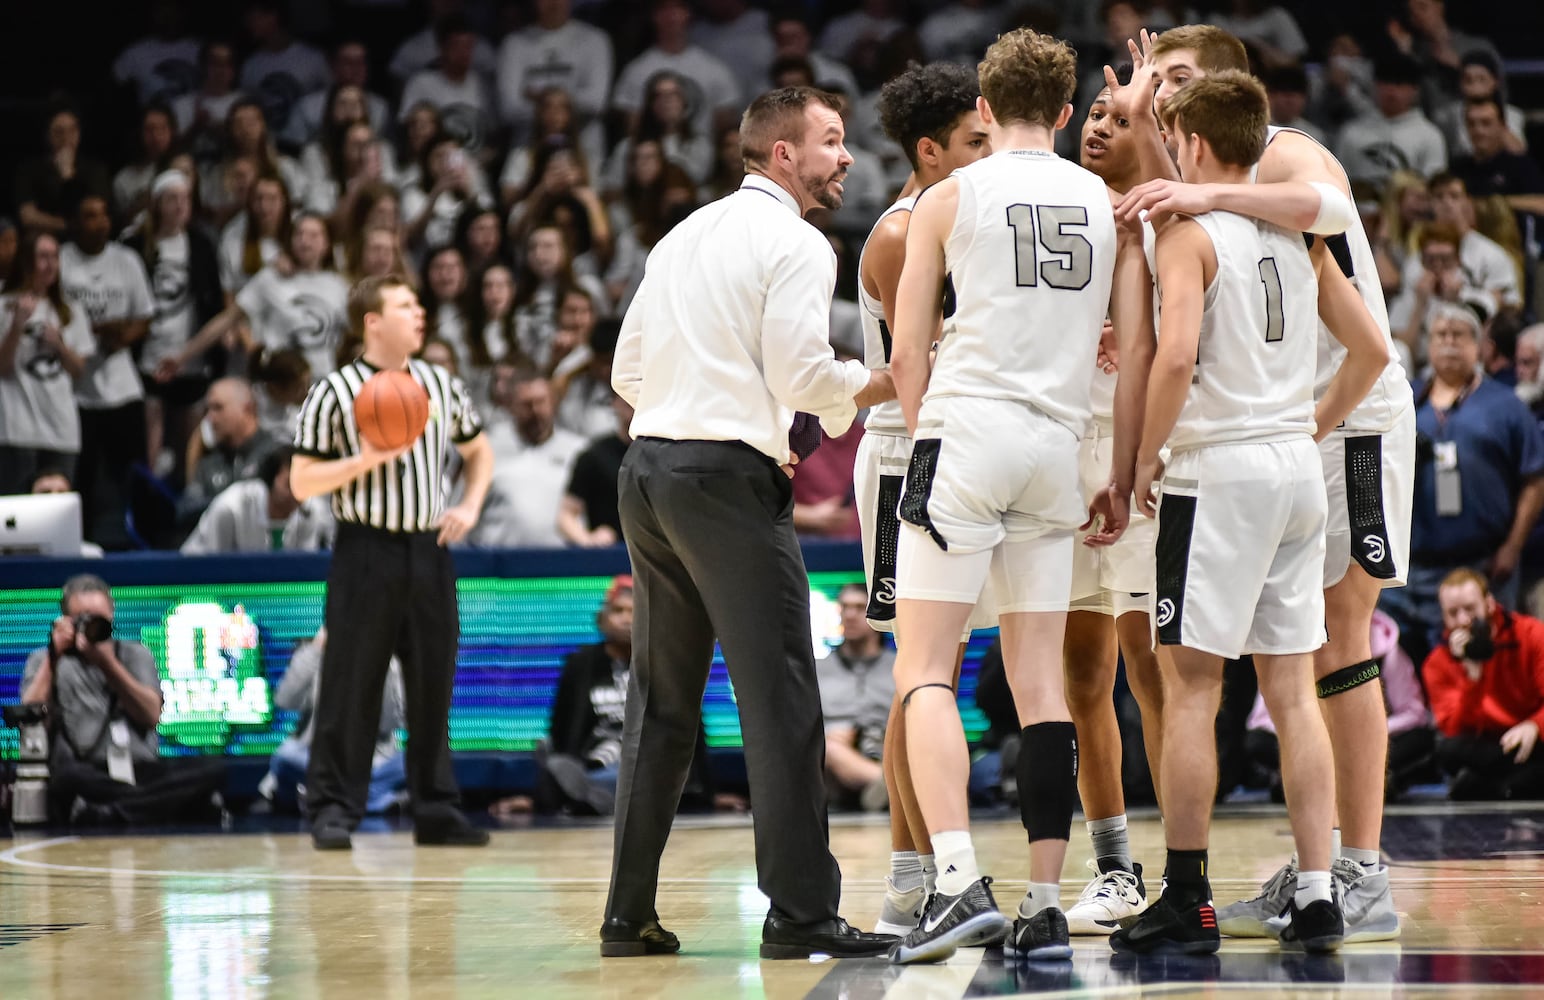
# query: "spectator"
{"points": [[1481, 79], [262, 515], [1269, 29], [1287, 87], [453, 87], [298, 301], [446, 297], [561, 195], [44, 346], [856, 688], [1438, 50], [420, 51], [664, 119], [449, 181], [247, 138], [10, 239], [1410, 731], [375, 206], [961, 31], [546, 275], [871, 24], [490, 331], [1486, 685], [555, 124], [201, 113], [738, 35], [1498, 351], [346, 155], [1406, 208], [588, 514], [480, 238], [350, 68], [654, 196], [533, 462], [1434, 276], [1530, 378], [255, 238], [131, 184], [712, 95], [556, 54], [418, 126], [51, 480], [104, 764], [581, 383], [297, 693], [1491, 168], [237, 446], [184, 271], [791, 38], [1479, 479], [438, 351], [163, 65], [376, 254], [1397, 135], [49, 188], [728, 165], [1485, 263], [823, 503], [280, 70], [280, 381], [108, 281], [1343, 87]]}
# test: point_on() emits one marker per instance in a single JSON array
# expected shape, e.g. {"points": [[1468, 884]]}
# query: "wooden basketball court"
{"points": [[260, 914]]}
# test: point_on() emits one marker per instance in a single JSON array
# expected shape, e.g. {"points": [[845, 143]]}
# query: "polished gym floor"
{"points": [[255, 912]]}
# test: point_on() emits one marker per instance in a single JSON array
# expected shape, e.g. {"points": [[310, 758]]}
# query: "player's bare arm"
{"points": [[1187, 263], [883, 255], [1346, 316], [919, 295], [1134, 102]]}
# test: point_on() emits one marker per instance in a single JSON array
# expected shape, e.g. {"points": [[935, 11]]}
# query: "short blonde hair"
{"points": [[1464, 575], [1228, 109], [1028, 77], [1215, 49]]}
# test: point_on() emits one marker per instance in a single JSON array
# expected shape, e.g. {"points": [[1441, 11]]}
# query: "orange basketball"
{"points": [[391, 409]]}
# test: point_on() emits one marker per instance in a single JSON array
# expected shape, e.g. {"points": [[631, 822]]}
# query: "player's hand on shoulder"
{"points": [[1160, 200]]}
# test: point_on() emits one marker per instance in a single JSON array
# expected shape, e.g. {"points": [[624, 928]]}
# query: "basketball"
{"points": [[391, 410]]}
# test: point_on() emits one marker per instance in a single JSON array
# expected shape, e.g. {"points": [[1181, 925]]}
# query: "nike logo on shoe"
{"points": [[931, 923]]}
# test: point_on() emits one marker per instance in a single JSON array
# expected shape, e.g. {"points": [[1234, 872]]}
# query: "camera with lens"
{"points": [[96, 628]]}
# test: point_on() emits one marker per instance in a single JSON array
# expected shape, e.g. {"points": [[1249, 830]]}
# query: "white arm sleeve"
{"points": [[1336, 212]]}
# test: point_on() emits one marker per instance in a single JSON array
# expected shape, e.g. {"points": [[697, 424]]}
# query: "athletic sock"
{"points": [[1041, 896], [1311, 887], [1369, 860], [1112, 849], [1187, 881], [905, 871], [929, 872], [1335, 843], [956, 861]]}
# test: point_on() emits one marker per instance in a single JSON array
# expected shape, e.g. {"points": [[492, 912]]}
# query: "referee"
{"points": [[392, 586], [727, 337]]}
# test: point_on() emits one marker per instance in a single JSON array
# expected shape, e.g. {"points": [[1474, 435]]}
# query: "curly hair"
{"points": [[1028, 77], [926, 101]]}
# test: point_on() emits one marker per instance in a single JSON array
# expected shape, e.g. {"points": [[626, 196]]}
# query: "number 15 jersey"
{"points": [[1030, 261], [1254, 372]]}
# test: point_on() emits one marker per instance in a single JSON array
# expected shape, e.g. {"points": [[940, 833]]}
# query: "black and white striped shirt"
{"points": [[407, 493]]}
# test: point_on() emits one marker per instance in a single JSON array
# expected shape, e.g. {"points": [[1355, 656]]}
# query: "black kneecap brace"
{"points": [[907, 700], [1348, 678], [1048, 779]]}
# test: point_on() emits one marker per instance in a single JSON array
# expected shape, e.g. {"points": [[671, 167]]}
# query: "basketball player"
{"points": [[991, 488], [392, 585], [1110, 592], [1241, 525], [1369, 471], [930, 112]]}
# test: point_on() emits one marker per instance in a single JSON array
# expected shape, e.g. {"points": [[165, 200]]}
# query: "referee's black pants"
{"points": [[709, 527], [387, 592]]}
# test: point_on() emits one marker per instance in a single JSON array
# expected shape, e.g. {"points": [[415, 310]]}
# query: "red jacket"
{"points": [[1509, 691]]}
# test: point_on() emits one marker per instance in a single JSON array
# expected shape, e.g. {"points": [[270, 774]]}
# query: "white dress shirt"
{"points": [[729, 334]]}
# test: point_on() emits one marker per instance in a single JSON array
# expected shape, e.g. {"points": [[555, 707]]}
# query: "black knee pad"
{"points": [[1048, 779], [1348, 678]]}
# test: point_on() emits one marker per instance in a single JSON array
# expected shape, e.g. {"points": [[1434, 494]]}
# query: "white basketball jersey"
{"points": [[883, 418], [1103, 389], [1390, 396], [1030, 262], [1255, 364]]}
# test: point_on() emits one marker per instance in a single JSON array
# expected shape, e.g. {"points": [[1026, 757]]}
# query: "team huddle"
{"points": [[1148, 403]]}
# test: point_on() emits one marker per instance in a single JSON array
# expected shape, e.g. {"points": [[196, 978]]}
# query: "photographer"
{"points": [[1479, 480], [104, 699], [1486, 685]]}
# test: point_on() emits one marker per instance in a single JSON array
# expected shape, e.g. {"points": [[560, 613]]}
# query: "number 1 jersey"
{"points": [[1030, 261], [1254, 373]]}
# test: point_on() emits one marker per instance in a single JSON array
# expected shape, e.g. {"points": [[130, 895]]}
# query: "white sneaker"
{"points": [[1365, 902], [1109, 898], [901, 910], [1249, 917]]}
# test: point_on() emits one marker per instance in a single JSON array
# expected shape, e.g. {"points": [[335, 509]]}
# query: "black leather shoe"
{"points": [[782, 938], [330, 833], [461, 834], [632, 938]]}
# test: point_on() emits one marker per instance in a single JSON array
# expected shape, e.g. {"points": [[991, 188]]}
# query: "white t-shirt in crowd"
{"points": [[37, 401], [421, 51], [307, 310], [465, 107], [576, 57], [233, 247], [278, 80], [708, 83], [174, 323], [109, 286], [528, 485], [1273, 26], [160, 69], [745, 45], [306, 123], [185, 109]]}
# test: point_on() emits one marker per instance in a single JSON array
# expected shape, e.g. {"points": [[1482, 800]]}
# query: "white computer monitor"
{"points": [[40, 524]]}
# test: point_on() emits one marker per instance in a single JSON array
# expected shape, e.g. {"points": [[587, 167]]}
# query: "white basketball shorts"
{"points": [[1369, 479], [1115, 579]]}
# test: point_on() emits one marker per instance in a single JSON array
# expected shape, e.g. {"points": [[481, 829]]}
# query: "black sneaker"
{"points": [[952, 922], [1318, 928], [1164, 929], [1040, 938]]}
